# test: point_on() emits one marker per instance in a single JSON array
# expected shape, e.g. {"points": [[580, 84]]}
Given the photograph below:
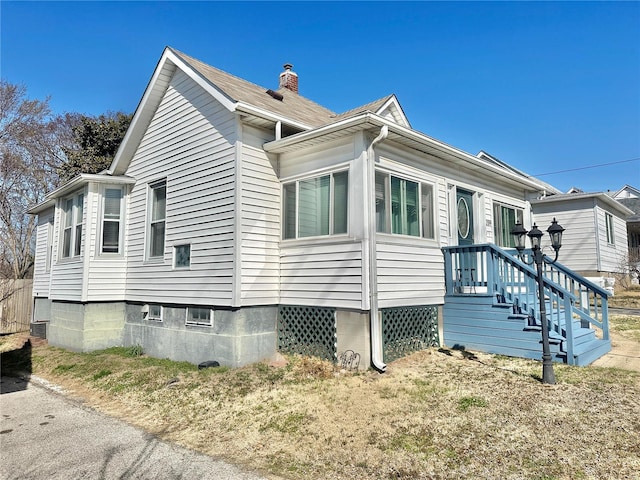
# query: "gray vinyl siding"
{"points": [[260, 223], [190, 142], [41, 275]]}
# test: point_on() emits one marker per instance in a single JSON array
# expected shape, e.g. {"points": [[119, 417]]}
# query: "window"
{"points": [[112, 220], [316, 206], [199, 316], [504, 219], [49, 244], [181, 256], [155, 312], [608, 220], [157, 218], [404, 207], [72, 231]]}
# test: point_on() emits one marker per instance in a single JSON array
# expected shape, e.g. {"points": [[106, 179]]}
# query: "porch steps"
{"points": [[479, 322]]}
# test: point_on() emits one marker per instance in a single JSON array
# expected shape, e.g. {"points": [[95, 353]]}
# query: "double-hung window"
{"points": [[157, 218], [404, 207], [504, 219], [316, 206], [112, 220], [608, 219], [72, 231]]}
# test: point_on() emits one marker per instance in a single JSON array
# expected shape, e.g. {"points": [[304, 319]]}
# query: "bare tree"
{"points": [[31, 152]]}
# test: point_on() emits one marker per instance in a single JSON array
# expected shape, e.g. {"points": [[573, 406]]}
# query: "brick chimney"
{"points": [[289, 79]]}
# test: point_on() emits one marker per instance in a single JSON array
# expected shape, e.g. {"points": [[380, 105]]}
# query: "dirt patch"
{"points": [[435, 414]]}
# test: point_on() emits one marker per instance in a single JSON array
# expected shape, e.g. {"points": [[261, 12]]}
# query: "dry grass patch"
{"points": [[626, 298], [434, 414]]}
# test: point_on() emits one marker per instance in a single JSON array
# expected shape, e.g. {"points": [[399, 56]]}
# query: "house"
{"points": [[595, 243], [630, 197], [238, 220]]}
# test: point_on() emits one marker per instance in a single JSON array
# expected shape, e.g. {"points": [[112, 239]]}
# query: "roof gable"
{"points": [[387, 107], [626, 192], [234, 93]]}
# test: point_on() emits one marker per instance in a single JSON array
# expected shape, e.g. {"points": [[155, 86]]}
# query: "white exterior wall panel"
{"points": [[44, 239], [612, 255], [190, 142], [260, 223], [579, 250]]}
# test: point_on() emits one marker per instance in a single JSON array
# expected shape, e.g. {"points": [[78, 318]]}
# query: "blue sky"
{"points": [[544, 86]]}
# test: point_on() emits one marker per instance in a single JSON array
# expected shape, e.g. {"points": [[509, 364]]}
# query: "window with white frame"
{"points": [[608, 220], [155, 312], [504, 219], [72, 225], [316, 206], [112, 220], [181, 256], [157, 218], [49, 244], [199, 316], [404, 207]]}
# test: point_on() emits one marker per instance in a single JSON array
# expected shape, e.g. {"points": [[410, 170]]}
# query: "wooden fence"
{"points": [[16, 304]]}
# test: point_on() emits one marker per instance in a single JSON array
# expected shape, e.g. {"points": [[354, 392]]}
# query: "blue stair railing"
{"points": [[489, 270]]}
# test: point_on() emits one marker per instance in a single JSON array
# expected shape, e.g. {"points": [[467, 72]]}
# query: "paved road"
{"points": [[44, 435]]}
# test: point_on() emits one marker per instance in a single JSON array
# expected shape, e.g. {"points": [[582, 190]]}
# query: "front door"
{"points": [[468, 261], [464, 202]]}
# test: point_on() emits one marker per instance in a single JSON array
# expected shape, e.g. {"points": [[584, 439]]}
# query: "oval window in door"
{"points": [[463, 218]]}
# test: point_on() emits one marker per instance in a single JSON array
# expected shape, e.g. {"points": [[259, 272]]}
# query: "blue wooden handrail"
{"points": [[486, 269]]}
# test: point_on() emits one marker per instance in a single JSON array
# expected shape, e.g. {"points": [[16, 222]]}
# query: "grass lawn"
{"points": [[434, 414]]}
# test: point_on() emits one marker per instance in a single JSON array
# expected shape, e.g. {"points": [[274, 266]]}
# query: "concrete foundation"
{"points": [[86, 327], [236, 338], [353, 330]]}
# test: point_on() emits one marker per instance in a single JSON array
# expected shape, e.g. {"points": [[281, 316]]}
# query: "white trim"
{"points": [[191, 323]]}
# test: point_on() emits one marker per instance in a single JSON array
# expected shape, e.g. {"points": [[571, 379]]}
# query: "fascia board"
{"points": [[602, 197], [77, 182], [394, 101], [371, 119], [268, 115], [167, 64]]}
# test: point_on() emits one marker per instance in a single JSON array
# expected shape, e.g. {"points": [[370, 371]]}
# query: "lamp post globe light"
{"points": [[535, 235]]}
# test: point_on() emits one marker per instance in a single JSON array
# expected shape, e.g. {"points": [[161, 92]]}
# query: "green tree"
{"points": [[96, 141]]}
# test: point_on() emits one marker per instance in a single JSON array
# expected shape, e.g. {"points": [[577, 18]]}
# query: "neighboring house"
{"points": [[237, 220], [630, 197], [595, 241]]}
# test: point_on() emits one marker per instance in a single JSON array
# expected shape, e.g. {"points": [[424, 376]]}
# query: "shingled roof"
{"points": [[292, 105]]}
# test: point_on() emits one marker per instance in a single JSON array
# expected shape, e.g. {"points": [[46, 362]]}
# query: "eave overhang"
{"points": [[600, 196], [406, 137], [76, 183]]}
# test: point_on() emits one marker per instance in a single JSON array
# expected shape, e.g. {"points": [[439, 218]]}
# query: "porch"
{"points": [[492, 305]]}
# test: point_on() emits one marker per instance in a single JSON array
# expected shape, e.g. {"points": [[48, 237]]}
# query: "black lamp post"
{"points": [[555, 232]]}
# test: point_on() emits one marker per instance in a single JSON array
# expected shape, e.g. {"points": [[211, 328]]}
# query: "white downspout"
{"points": [[376, 324]]}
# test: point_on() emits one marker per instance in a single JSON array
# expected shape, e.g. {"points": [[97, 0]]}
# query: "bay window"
{"points": [[112, 220], [73, 210], [316, 206]]}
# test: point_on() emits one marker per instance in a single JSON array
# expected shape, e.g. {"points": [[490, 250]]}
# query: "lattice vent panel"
{"points": [[408, 329], [308, 331]]}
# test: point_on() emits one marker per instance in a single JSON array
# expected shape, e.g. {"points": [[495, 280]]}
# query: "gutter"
{"points": [[376, 323]]}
